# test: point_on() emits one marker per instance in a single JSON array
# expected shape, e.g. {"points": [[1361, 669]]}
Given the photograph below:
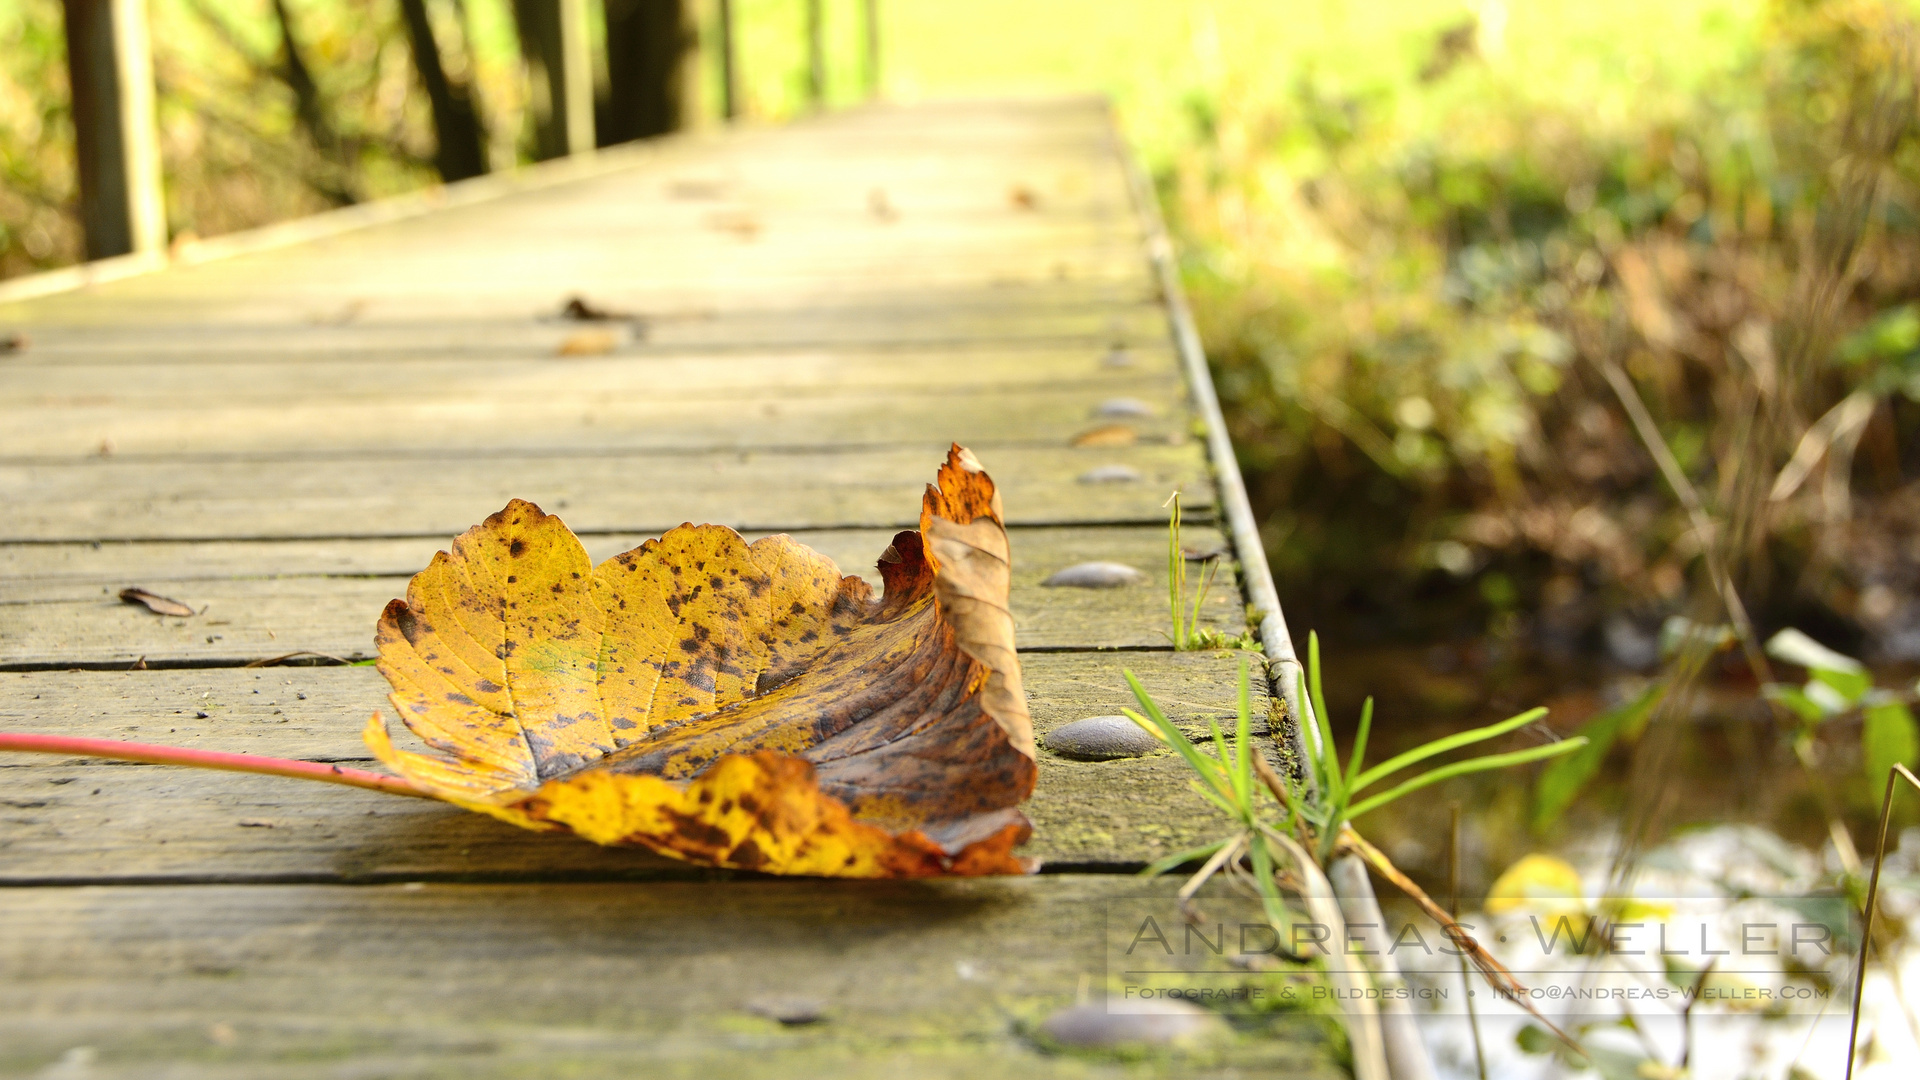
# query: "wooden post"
{"points": [[729, 73], [553, 39], [873, 49], [651, 68], [816, 55], [110, 65]]}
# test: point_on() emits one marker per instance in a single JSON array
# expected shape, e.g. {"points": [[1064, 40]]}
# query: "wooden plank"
{"points": [[73, 821], [922, 979], [533, 413], [259, 602], [645, 492], [292, 364]]}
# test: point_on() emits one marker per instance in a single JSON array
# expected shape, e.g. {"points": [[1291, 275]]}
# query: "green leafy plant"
{"points": [[1838, 686]]}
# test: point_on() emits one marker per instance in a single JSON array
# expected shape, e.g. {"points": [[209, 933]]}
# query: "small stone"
{"points": [[1154, 1023], [1096, 575], [791, 1011], [1118, 357], [1101, 738], [1123, 406], [1111, 474]]}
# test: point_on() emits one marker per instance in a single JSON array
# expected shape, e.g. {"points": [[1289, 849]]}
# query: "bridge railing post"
{"points": [[110, 68]]}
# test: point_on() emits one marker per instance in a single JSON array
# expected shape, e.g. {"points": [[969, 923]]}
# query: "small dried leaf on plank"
{"points": [[731, 704], [1107, 435], [159, 605], [588, 343]]}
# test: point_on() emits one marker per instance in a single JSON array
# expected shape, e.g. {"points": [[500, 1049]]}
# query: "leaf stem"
{"points": [[116, 750]]}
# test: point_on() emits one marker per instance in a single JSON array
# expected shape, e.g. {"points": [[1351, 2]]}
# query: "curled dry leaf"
{"points": [[730, 704], [1107, 435], [154, 602]]}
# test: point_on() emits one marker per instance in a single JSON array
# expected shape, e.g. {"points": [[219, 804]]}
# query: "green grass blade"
{"points": [[1327, 763], [1171, 862], [1440, 746], [1202, 765], [1462, 768], [1242, 735], [1209, 770], [1229, 765], [1359, 752]]}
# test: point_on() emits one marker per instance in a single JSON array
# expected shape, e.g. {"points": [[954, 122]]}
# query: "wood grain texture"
{"points": [[154, 823], [936, 980], [259, 600], [618, 491], [479, 415]]}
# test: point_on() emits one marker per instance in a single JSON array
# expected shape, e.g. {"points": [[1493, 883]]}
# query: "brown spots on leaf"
{"points": [[772, 666]]}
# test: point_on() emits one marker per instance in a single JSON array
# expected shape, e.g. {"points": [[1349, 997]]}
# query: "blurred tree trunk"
{"points": [[461, 149], [312, 112], [553, 42], [651, 51]]}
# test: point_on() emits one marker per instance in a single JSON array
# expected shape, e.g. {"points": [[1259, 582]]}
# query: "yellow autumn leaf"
{"points": [[1538, 883], [727, 703]]}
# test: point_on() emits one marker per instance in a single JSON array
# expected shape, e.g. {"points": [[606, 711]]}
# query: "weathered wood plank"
{"points": [[260, 602], [71, 821], [436, 495], [931, 980], [474, 415]]}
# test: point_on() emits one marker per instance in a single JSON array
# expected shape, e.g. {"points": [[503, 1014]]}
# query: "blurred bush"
{"points": [[1412, 297]]}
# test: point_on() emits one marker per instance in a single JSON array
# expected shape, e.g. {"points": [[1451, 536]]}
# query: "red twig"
{"points": [[115, 750]]}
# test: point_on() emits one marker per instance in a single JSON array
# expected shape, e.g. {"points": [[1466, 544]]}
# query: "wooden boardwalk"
{"points": [[279, 437]]}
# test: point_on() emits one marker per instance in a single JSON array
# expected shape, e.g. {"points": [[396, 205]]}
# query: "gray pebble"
{"points": [[1155, 1023], [1096, 575], [791, 1011], [1119, 357], [1111, 474], [1101, 738], [1123, 406]]}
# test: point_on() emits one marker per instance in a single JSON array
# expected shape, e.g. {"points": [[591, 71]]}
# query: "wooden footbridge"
{"points": [[279, 428]]}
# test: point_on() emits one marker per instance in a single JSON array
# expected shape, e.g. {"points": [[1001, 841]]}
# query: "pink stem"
{"points": [[115, 750]]}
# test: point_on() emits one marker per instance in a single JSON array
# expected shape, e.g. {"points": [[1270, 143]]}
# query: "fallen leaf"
{"points": [[579, 309], [730, 704], [159, 605], [1022, 197], [588, 343], [1107, 435], [14, 343], [738, 222]]}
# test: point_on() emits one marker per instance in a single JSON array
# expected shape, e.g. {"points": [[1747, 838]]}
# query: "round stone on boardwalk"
{"points": [[1096, 575], [791, 1011], [1101, 738], [1151, 1023], [1123, 407], [1111, 474]]}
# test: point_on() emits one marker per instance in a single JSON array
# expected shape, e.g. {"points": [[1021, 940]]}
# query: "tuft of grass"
{"points": [[1188, 634], [1283, 833]]}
